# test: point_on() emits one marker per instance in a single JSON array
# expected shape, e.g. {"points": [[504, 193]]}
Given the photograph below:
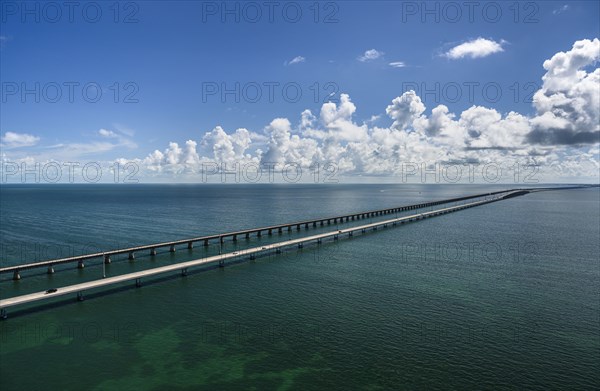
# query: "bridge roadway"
{"points": [[233, 235], [252, 252]]}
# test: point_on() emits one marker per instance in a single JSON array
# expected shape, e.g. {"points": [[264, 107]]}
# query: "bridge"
{"points": [[251, 253], [205, 240]]}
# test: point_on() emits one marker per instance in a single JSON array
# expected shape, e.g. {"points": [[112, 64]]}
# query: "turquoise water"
{"points": [[504, 295]]}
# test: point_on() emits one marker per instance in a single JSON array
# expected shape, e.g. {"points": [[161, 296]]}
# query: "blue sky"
{"points": [[162, 61]]}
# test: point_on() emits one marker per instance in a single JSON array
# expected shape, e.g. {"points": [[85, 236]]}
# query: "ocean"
{"points": [[504, 295]]}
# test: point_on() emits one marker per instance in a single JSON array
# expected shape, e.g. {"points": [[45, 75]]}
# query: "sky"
{"points": [[186, 91]]}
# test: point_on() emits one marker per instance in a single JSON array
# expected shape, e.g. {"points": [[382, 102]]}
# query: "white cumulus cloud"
{"points": [[370, 55], [568, 104], [295, 60], [17, 140], [107, 133], [476, 48], [397, 64]]}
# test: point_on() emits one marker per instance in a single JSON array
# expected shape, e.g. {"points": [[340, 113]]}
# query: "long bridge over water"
{"points": [[277, 247], [246, 233]]}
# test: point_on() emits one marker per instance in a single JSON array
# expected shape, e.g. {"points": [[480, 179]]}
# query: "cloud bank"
{"points": [[562, 137]]}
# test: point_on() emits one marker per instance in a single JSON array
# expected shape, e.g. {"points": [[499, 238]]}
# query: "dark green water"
{"points": [[505, 295]]}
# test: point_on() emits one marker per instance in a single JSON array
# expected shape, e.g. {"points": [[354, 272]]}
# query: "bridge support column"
{"points": [[258, 234], [221, 239], [252, 257], [298, 227], [79, 296], [300, 245], [138, 282], [278, 250], [3, 313], [247, 235], [172, 248], [279, 230], [234, 238], [184, 272], [270, 232], [321, 223], [350, 233], [50, 270], [131, 256], [314, 224], [205, 242], [107, 259], [289, 228], [190, 245], [80, 265], [319, 241], [16, 276], [306, 226]]}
